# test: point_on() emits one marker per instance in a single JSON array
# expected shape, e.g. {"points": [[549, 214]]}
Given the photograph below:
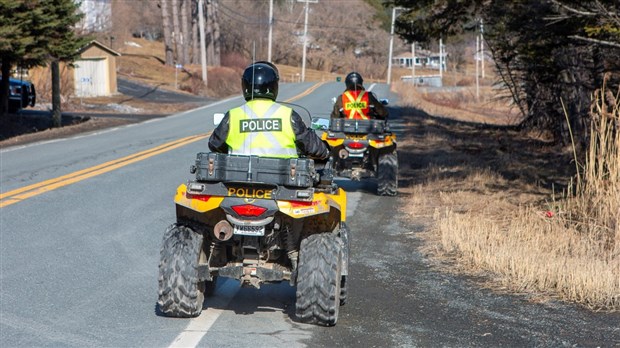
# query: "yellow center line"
{"points": [[26, 192], [20, 194], [308, 91]]}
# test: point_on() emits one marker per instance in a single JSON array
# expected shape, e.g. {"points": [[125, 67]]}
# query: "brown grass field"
{"points": [[495, 201]]}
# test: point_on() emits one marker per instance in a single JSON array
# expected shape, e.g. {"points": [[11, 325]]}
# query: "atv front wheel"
{"points": [[181, 294], [387, 174], [318, 279]]}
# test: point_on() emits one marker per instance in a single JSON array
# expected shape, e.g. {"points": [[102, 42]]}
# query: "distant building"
{"points": [[93, 74], [423, 80], [97, 15], [423, 58], [95, 71]]}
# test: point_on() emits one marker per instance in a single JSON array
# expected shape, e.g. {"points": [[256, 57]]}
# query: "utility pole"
{"points": [[412, 58], [270, 29], [482, 47], [303, 59], [477, 58], [413, 63], [389, 72], [203, 48], [440, 58]]}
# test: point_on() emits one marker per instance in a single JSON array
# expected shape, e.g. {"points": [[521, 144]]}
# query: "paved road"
{"points": [[79, 256], [156, 94]]}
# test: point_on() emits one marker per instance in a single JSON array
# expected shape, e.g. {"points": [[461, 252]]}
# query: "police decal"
{"points": [[260, 125], [356, 105]]}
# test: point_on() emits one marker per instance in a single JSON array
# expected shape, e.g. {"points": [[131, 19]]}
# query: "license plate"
{"points": [[249, 230], [360, 155]]}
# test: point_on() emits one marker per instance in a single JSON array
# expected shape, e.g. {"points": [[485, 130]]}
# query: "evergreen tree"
{"points": [[34, 33], [551, 54], [61, 42], [17, 42]]}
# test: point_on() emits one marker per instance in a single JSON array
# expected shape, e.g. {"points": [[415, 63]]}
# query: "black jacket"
{"points": [[308, 143]]}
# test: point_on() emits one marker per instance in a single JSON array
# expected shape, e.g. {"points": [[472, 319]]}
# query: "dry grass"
{"points": [[462, 104], [515, 231], [145, 64], [293, 74]]}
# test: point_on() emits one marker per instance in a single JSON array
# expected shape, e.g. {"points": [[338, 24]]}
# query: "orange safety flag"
{"points": [[355, 104]]}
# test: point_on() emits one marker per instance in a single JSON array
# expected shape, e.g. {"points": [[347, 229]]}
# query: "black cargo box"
{"points": [[296, 172], [357, 126]]}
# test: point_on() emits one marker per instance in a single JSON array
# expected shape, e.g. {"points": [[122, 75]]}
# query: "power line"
{"points": [[251, 21], [246, 19]]}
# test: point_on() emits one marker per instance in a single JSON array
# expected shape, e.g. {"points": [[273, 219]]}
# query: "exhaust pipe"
{"points": [[343, 153], [223, 230]]}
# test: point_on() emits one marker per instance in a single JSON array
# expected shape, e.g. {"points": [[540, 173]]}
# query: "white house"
{"points": [[423, 58], [97, 15]]}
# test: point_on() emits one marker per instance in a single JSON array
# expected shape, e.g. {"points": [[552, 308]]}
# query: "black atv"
{"points": [[362, 149], [258, 220]]}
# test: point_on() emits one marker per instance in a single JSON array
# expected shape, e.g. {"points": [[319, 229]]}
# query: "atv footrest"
{"points": [[262, 273]]}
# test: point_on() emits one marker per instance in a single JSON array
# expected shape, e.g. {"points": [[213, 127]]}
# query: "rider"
{"points": [[263, 127], [357, 103]]}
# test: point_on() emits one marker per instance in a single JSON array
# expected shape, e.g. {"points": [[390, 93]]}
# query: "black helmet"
{"points": [[354, 81], [260, 80]]}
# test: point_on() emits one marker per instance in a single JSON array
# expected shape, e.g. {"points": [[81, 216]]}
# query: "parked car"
{"points": [[21, 94]]}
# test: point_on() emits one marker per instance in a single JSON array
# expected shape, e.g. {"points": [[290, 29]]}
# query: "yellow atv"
{"points": [[258, 220], [363, 149]]}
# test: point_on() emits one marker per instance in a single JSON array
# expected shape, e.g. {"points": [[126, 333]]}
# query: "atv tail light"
{"points": [[299, 204], [203, 198], [248, 210], [355, 145]]}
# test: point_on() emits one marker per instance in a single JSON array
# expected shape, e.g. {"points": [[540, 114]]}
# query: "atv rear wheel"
{"points": [[318, 279], [346, 252], [387, 174], [181, 294]]}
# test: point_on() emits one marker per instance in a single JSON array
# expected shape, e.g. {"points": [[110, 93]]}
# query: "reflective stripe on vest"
{"points": [[355, 104], [261, 128]]}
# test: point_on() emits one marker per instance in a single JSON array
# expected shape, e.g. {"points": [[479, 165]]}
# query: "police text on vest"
{"points": [[260, 125]]}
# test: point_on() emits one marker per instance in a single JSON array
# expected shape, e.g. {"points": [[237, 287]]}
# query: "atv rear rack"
{"points": [[219, 167], [358, 126]]}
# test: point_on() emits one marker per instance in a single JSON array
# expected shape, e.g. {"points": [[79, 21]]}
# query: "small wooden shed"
{"points": [[95, 71]]}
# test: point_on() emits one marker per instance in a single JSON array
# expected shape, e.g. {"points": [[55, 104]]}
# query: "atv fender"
{"points": [[198, 203]]}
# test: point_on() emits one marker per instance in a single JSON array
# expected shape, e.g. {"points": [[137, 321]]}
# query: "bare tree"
{"points": [[217, 51], [195, 38], [176, 30], [184, 54], [343, 35], [126, 24], [213, 34], [165, 15]]}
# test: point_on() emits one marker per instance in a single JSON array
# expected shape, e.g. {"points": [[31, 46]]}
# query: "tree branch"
{"points": [[570, 9], [600, 42]]}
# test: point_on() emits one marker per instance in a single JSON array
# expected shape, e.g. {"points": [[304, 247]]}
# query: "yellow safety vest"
{"points": [[261, 128]]}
